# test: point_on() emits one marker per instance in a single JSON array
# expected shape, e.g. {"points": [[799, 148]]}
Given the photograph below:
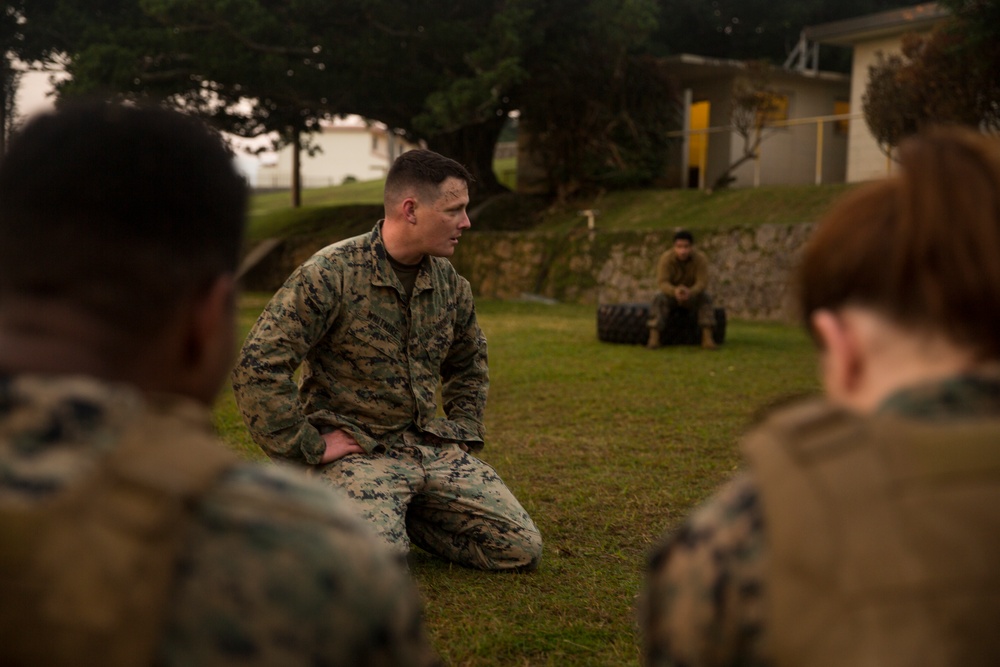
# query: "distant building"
{"points": [[802, 144], [351, 148], [867, 36]]}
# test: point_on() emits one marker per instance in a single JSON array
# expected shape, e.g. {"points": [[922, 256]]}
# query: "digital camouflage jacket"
{"points": [[372, 361], [265, 568]]}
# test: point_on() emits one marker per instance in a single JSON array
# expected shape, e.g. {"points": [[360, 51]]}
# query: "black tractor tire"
{"points": [[623, 323], [681, 328], [719, 330], [626, 323]]}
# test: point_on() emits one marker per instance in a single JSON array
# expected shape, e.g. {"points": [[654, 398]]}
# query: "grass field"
{"points": [[607, 447]]}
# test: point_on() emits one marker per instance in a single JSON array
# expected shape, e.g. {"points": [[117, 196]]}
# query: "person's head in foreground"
{"points": [[901, 281], [120, 232]]}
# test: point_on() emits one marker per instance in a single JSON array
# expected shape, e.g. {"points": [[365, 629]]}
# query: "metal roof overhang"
{"points": [[691, 68], [872, 26]]}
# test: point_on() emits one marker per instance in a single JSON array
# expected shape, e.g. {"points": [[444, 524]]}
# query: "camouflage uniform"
{"points": [[707, 596], [672, 273], [270, 569], [372, 360]]}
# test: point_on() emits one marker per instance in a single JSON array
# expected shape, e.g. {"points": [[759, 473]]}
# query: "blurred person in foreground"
{"points": [[382, 325], [867, 529], [128, 536]]}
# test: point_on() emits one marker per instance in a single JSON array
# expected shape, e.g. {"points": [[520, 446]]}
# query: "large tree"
{"points": [[443, 71], [251, 68], [447, 73], [949, 76], [596, 108], [438, 70]]}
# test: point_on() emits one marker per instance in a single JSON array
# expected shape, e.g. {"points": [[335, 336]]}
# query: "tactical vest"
{"points": [[85, 577], [884, 538]]}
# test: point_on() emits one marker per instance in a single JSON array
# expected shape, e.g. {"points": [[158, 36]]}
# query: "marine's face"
{"points": [[441, 222], [682, 249]]}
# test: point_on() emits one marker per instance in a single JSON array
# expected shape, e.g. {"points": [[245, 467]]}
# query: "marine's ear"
{"points": [[409, 206], [842, 362], [209, 344]]}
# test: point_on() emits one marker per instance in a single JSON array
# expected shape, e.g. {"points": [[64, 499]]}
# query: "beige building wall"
{"points": [[865, 160], [357, 151], [788, 154]]}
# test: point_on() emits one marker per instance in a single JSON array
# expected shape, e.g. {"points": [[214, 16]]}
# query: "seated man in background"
{"points": [[867, 529], [682, 276], [129, 536]]}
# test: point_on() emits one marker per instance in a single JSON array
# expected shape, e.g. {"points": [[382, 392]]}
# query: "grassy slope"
{"points": [[634, 209], [607, 446], [697, 210]]}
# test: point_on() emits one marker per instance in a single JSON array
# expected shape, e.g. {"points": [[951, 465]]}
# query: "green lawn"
{"points": [[607, 446]]}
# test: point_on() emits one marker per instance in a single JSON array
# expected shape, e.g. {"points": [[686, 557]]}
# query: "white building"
{"points": [[868, 36], [351, 148], [791, 152]]}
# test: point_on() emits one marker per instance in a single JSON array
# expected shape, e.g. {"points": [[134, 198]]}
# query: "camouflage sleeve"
{"points": [[263, 379], [278, 572], [703, 600], [465, 372]]}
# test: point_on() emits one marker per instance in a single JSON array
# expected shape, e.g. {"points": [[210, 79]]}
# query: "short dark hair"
{"points": [[683, 235], [419, 169], [920, 247], [122, 210]]}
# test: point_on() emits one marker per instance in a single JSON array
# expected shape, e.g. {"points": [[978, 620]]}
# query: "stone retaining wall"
{"points": [[750, 266]]}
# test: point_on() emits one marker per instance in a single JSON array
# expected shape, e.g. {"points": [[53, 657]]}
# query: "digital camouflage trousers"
{"points": [[444, 500]]}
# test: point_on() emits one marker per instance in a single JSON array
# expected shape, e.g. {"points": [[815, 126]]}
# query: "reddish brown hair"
{"points": [[921, 247]]}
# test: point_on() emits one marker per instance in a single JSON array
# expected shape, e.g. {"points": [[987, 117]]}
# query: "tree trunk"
{"points": [[296, 169], [749, 153], [8, 92], [473, 146]]}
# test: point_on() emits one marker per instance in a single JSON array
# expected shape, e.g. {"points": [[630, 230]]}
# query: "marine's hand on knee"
{"points": [[339, 444]]}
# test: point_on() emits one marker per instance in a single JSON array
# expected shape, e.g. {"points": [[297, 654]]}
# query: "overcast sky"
{"points": [[31, 93]]}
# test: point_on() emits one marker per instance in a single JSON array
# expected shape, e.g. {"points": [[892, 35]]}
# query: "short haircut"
{"points": [[683, 235], [921, 247], [421, 171], [122, 210]]}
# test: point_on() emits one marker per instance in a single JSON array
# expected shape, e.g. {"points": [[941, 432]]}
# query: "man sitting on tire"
{"points": [[682, 275]]}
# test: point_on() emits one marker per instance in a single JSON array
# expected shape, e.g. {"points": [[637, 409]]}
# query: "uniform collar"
{"points": [[958, 397], [382, 273]]}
